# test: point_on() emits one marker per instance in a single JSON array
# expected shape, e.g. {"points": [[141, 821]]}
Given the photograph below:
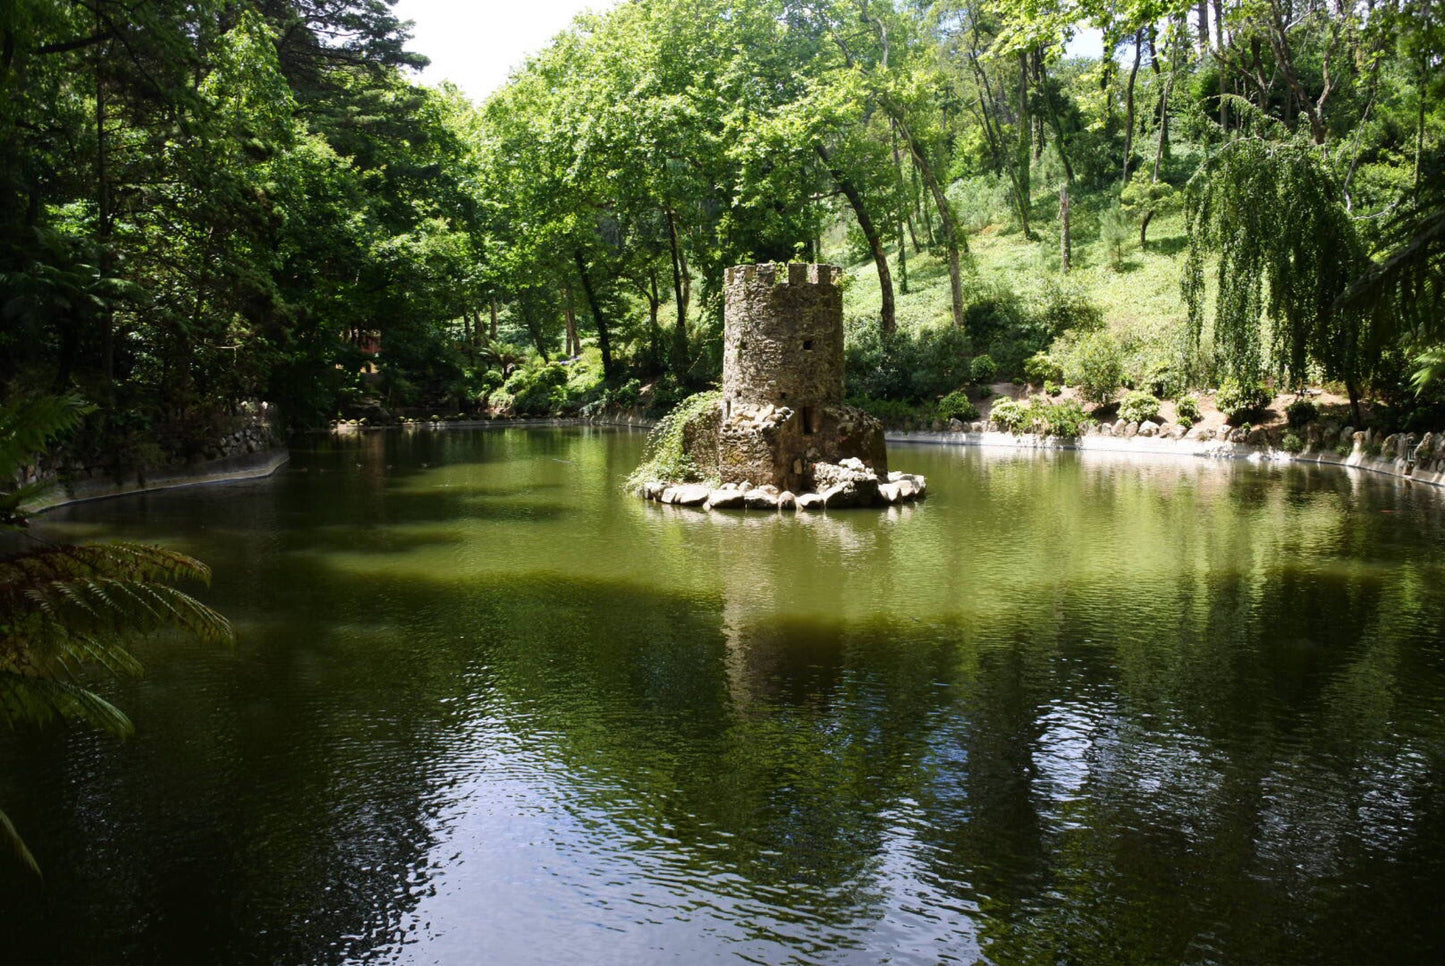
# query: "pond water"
{"points": [[486, 707]]}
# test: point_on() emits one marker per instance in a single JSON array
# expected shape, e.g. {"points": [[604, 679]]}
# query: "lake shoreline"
{"points": [[256, 466]]}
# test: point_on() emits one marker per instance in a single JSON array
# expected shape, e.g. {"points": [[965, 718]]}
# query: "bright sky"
{"points": [[476, 44]]}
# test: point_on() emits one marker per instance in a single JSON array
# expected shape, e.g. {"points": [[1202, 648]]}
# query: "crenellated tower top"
{"points": [[783, 336]]}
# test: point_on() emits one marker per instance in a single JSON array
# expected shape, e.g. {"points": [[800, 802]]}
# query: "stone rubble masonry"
{"points": [[782, 421]]}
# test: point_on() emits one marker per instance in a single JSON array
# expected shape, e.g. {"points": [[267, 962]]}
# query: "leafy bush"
{"points": [[1301, 413], [957, 405], [902, 365], [1236, 398], [1042, 368], [537, 390], [983, 369], [1139, 406], [1095, 364], [663, 458], [1008, 414], [892, 412], [1059, 308], [1064, 419], [1291, 443], [1186, 408], [1052, 388]]}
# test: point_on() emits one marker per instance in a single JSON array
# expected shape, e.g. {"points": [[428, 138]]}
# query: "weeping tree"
{"points": [[1287, 252], [67, 609], [1405, 286]]}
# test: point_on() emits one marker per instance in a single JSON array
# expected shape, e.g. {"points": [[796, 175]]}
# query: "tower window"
{"points": [[808, 426], [807, 345]]}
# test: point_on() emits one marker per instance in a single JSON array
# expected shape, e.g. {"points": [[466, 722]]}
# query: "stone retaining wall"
{"points": [[1429, 469]]}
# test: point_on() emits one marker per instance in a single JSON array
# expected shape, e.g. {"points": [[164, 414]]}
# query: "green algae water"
{"points": [[486, 707]]}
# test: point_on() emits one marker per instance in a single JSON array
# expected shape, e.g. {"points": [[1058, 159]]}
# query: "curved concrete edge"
{"points": [[233, 469], [417, 425], [1146, 446]]}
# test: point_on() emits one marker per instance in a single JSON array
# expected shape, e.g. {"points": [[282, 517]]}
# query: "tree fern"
{"points": [[65, 610]]}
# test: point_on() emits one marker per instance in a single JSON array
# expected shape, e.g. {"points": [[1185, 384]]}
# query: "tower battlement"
{"points": [[783, 336]]}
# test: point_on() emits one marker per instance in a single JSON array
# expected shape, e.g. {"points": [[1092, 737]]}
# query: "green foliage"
{"points": [[65, 610], [1116, 231], [1291, 442], [891, 412], [957, 405], [902, 365], [982, 370], [1093, 362], [1009, 415], [1238, 398], [1139, 406], [1186, 410], [1301, 413], [663, 458], [1052, 388], [1042, 368], [1287, 250], [1065, 419]]}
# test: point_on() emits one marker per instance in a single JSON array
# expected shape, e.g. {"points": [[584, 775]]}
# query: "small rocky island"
{"points": [[779, 435]]}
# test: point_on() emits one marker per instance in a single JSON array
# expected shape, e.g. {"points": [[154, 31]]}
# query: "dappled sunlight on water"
{"points": [[486, 706]]}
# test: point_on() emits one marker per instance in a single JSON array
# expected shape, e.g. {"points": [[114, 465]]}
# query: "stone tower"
{"points": [[783, 414], [783, 338]]}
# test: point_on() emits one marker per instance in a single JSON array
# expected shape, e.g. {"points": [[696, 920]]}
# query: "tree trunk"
{"points": [[1057, 123], [1023, 154], [1144, 228], [574, 346], [103, 222], [1202, 12], [1219, 63], [1065, 242], [952, 237], [897, 213], [604, 338], [1129, 105], [679, 353], [888, 320], [492, 332]]}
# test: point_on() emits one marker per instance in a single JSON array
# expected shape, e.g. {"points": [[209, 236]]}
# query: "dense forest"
{"points": [[210, 202]]}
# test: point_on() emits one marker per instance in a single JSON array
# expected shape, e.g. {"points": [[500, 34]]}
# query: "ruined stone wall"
{"points": [[783, 337]]}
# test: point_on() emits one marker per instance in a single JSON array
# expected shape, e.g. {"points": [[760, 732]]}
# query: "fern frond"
{"points": [[9, 836], [37, 700]]}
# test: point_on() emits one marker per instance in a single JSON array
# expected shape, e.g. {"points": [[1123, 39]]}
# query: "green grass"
{"points": [[1140, 299]]}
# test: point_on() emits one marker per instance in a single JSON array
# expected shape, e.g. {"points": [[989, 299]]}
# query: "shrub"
{"points": [[902, 365], [1052, 388], [1301, 413], [1187, 408], [892, 412], [537, 390], [1291, 443], [1095, 365], [1139, 406], [982, 369], [1066, 419], [957, 405], [1041, 368], [1008, 414], [1236, 398], [663, 458]]}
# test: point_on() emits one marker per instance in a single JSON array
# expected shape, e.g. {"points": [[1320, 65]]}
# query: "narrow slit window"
{"points": [[808, 427]]}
